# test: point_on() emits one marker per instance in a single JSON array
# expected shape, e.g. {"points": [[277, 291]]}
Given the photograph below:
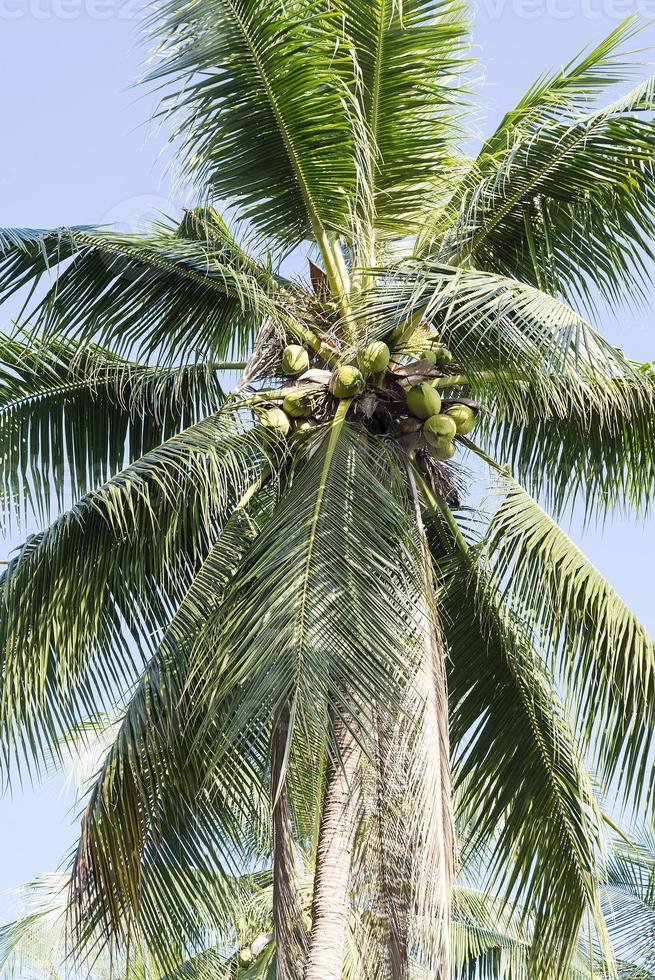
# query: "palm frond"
{"points": [[629, 906], [516, 763], [555, 96], [157, 295], [569, 206], [327, 536], [501, 331], [596, 450], [71, 415], [569, 90], [180, 828], [265, 117], [603, 652], [409, 60], [83, 597], [36, 945]]}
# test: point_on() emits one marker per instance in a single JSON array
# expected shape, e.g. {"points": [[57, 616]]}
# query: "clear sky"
{"points": [[77, 148]]}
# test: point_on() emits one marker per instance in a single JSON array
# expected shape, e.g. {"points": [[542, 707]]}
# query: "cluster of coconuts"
{"points": [[440, 425], [346, 381]]}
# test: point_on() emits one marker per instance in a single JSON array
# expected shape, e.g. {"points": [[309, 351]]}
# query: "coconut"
{"points": [[245, 956], [442, 453], [275, 418], [423, 401], [307, 425], [374, 358], [298, 404], [295, 360], [463, 416], [429, 355], [443, 357], [439, 430], [347, 382]]}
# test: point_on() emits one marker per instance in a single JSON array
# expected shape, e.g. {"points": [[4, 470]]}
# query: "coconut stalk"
{"points": [[334, 856]]}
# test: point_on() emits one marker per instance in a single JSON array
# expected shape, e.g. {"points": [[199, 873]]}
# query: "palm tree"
{"points": [[311, 635], [489, 941]]}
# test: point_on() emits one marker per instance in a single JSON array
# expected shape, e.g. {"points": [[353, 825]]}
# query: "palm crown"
{"points": [[312, 635]]}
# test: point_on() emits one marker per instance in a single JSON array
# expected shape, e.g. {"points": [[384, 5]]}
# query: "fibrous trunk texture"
{"points": [[333, 859], [432, 785]]}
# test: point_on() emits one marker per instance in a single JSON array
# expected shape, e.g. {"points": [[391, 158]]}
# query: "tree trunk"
{"points": [[431, 782], [394, 891], [333, 860]]}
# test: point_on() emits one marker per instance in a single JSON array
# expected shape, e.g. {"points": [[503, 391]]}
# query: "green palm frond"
{"points": [[629, 905], [569, 90], [557, 95], [71, 415], [339, 521], [266, 117], [159, 294], [509, 335], [601, 649], [69, 622], [596, 450], [569, 205], [516, 762], [36, 946], [174, 811], [409, 114]]}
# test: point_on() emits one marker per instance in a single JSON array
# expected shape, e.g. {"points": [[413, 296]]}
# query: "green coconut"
{"points": [[307, 425], [429, 355], [275, 418], [423, 401], [442, 453], [245, 956], [443, 357], [347, 382], [295, 360], [375, 358], [439, 430], [299, 404], [464, 418]]}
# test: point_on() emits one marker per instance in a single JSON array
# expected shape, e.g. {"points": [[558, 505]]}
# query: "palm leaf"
{"points": [[159, 295], [264, 112], [595, 451], [71, 415], [629, 905], [299, 571], [569, 206], [510, 335], [569, 90], [518, 770], [409, 61], [69, 622], [604, 653], [174, 811]]}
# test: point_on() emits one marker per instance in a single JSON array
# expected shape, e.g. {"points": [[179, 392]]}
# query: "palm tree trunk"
{"points": [[394, 893], [333, 860], [432, 784]]}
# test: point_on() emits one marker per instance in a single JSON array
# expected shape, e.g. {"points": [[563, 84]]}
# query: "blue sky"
{"points": [[78, 149]]}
